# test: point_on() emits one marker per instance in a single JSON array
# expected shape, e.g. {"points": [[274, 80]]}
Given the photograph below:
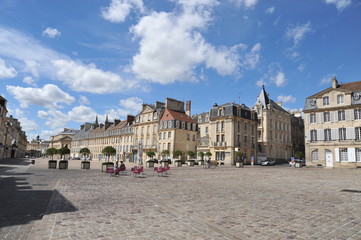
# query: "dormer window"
{"points": [[220, 112], [326, 101], [340, 99]]}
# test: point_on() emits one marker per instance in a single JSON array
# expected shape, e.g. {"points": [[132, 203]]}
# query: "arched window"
{"points": [[314, 155]]}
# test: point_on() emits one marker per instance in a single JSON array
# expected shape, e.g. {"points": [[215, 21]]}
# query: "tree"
{"points": [[51, 152], [191, 154], [177, 153], [201, 154], [84, 151], [208, 154], [239, 155], [151, 154], [109, 151], [165, 153], [64, 151], [299, 155]]}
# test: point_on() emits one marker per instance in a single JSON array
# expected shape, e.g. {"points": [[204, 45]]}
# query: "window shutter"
{"points": [[352, 115], [308, 136], [332, 116], [319, 117], [334, 134], [351, 155], [350, 133], [348, 115], [337, 154], [320, 135]]}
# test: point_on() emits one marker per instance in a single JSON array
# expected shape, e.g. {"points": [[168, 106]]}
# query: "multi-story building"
{"points": [[203, 132], [333, 126], [274, 130], [232, 128], [13, 140], [177, 130], [297, 133], [62, 139]]}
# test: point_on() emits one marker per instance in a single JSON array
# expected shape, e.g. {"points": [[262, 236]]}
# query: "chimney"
{"points": [[116, 121], [334, 82], [130, 119], [188, 108]]}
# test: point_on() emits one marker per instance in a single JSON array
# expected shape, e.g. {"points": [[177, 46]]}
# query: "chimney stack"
{"points": [[334, 82], [188, 108]]}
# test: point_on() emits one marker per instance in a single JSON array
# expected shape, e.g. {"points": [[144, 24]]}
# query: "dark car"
{"points": [[268, 163]]}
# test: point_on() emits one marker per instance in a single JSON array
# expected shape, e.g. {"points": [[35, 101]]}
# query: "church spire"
{"points": [[106, 119], [96, 120]]}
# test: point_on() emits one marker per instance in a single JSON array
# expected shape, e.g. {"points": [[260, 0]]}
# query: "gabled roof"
{"points": [[344, 87], [263, 98], [173, 115]]}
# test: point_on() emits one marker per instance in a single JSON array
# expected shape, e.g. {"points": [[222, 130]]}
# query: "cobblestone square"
{"points": [[271, 202]]}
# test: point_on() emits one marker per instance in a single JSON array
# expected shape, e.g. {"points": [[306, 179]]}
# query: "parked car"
{"points": [[268, 163]]}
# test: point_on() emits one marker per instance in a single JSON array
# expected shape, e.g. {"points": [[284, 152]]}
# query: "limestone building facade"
{"points": [[333, 126]]}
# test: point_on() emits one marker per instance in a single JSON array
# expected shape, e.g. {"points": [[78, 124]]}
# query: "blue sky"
{"points": [[64, 62]]}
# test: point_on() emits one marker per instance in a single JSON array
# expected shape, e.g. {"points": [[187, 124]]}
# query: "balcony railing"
{"points": [[220, 144]]}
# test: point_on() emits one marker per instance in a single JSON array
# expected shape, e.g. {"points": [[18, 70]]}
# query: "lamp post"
{"points": [[7, 124], [140, 153]]}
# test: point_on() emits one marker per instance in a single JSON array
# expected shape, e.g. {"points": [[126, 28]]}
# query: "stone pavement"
{"points": [[191, 203]]}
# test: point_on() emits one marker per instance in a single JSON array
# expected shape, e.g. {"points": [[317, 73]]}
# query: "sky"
{"points": [[64, 62]]}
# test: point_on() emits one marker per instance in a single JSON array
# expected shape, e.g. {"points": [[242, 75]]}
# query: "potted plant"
{"points": [[191, 155], [164, 160], [51, 151], [208, 155], [108, 151], [63, 164], [178, 154], [201, 154], [239, 161], [298, 156], [150, 162], [85, 164]]}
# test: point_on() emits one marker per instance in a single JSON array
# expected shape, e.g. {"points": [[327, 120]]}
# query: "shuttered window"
{"points": [[342, 134], [314, 155], [343, 155], [327, 135]]}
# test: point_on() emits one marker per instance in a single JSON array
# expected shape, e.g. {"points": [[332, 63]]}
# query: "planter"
{"points": [[298, 165], [178, 163], [63, 164], [165, 163], [239, 164], [33, 161], [85, 165], [191, 163], [150, 164], [201, 162], [106, 165], [52, 164]]}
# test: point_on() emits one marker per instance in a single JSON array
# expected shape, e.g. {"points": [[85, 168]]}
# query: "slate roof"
{"points": [[173, 115], [343, 87]]}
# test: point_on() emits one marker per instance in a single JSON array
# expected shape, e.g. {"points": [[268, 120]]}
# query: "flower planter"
{"points": [[85, 165], [298, 165], [106, 165], [150, 164], [201, 162], [191, 163], [239, 164], [63, 164], [52, 164], [33, 161], [178, 163]]}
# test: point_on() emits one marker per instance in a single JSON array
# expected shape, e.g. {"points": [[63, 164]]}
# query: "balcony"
{"points": [[220, 144]]}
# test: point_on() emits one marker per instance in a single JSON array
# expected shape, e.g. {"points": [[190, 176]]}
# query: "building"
{"points": [[232, 128], [274, 130], [13, 140], [333, 126], [203, 132], [62, 139], [297, 133], [177, 130]]}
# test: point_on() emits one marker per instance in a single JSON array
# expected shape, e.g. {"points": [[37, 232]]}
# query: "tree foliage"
{"points": [[51, 152], [109, 151]]}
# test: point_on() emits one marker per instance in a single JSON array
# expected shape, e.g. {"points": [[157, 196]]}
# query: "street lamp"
{"points": [[38, 140], [140, 153], [7, 124]]}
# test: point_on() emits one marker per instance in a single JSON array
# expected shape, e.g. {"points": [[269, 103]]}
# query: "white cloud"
{"points": [[327, 79], [340, 4], [49, 96], [29, 80], [245, 3], [28, 125], [252, 58], [270, 10], [286, 99], [55, 119], [6, 72], [279, 79], [260, 83], [301, 67], [82, 114], [296, 34], [51, 32], [161, 57], [88, 78], [118, 10], [133, 105], [83, 100]]}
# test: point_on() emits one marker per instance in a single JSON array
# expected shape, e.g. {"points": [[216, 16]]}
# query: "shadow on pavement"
{"points": [[21, 203]]}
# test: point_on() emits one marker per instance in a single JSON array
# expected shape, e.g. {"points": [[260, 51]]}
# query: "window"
{"points": [[327, 135], [168, 147], [217, 138], [326, 117], [326, 101], [358, 133], [220, 112], [358, 154], [313, 135], [206, 129], [340, 99], [187, 136], [177, 124], [169, 135], [183, 125], [357, 113], [194, 137], [342, 134], [161, 125], [343, 155], [169, 124], [199, 119], [312, 117], [188, 126], [164, 135], [341, 115], [314, 156], [160, 136]]}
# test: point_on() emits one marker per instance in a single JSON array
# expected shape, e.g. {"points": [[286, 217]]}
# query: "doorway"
{"points": [[329, 159]]}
